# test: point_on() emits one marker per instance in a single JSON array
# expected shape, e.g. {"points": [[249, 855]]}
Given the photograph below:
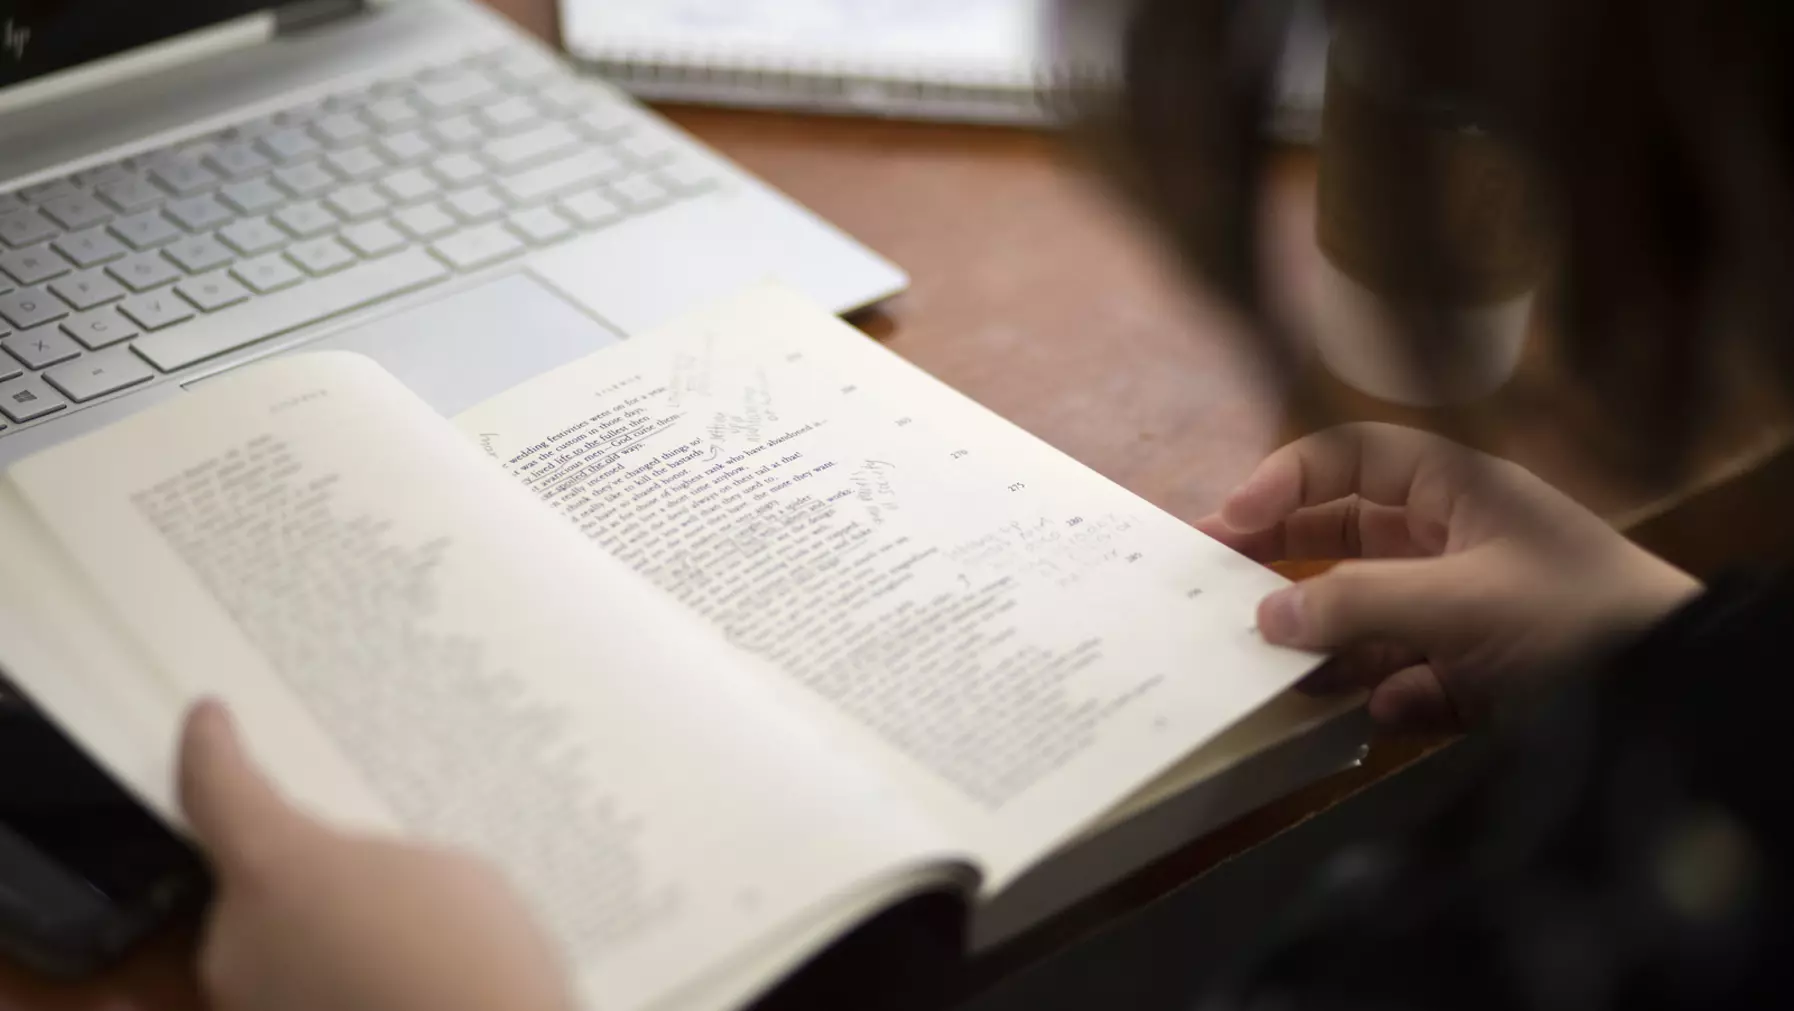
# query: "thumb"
{"points": [[234, 811], [1426, 605]]}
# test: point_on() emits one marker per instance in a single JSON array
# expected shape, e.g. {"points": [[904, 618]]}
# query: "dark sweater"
{"points": [[1627, 846]]}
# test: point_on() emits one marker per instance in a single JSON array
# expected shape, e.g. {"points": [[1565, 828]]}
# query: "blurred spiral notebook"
{"points": [[960, 60]]}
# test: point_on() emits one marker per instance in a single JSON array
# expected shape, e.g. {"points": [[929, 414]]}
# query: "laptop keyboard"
{"points": [[125, 272]]}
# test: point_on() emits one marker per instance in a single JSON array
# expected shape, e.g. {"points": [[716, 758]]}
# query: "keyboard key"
{"points": [[592, 208], [425, 221], [87, 289], [686, 176], [306, 179], [198, 214], [267, 273], [251, 236], [606, 121], [90, 248], [593, 165], [10, 369], [348, 101], [477, 247], [199, 253], [358, 162], [99, 174], [456, 91], [341, 128], [131, 193], [405, 146], [389, 113], [143, 271], [184, 177], [212, 291], [100, 328], [42, 347], [408, 185], [237, 160], [288, 144], [75, 210], [282, 312], [641, 192], [540, 225], [373, 238], [250, 130], [29, 397], [29, 307], [145, 230], [533, 145], [301, 114], [156, 310], [455, 131], [100, 374], [524, 69], [252, 196], [320, 256], [568, 97], [356, 203], [306, 218], [509, 115], [33, 266], [40, 192], [25, 226], [647, 148], [477, 203], [458, 169]]}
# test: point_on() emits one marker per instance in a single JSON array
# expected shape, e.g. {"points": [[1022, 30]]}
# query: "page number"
{"points": [[1018, 486]]}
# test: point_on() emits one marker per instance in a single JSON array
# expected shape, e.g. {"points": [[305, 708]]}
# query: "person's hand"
{"points": [[1475, 575], [309, 919]]}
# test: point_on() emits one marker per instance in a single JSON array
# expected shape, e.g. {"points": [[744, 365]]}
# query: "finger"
{"points": [[1425, 604], [1258, 545], [232, 808], [1414, 699], [1347, 528], [1380, 463]]}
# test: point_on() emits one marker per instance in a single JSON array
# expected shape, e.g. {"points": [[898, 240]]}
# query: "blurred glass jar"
{"points": [[1433, 230]]}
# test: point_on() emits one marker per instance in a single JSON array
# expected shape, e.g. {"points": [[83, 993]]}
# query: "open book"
{"points": [[718, 641]]}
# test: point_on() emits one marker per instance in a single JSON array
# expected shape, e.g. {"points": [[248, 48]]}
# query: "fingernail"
{"points": [[1242, 511], [1280, 617]]}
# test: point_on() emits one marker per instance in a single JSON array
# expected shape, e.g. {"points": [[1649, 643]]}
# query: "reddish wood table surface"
{"points": [[1037, 296]]}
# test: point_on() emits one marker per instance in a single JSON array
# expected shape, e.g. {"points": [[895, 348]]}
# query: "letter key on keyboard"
{"points": [[156, 310]]}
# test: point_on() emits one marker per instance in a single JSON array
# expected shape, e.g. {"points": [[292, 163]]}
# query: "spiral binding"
{"points": [[769, 80]]}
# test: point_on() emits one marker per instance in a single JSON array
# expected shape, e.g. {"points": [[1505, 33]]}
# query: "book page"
{"points": [[1016, 639], [412, 644], [60, 645]]}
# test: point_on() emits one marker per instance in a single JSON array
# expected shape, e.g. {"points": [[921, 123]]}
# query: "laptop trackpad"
{"points": [[465, 347]]}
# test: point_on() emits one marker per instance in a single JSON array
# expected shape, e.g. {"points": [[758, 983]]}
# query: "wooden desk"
{"points": [[1036, 296]]}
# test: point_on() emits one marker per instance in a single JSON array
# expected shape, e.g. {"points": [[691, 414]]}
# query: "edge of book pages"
{"points": [[1290, 743]]}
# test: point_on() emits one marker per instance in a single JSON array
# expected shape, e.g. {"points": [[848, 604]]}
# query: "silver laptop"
{"points": [[189, 185]]}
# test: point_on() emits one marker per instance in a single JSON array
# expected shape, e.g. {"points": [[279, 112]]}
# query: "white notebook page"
{"points": [[963, 41]]}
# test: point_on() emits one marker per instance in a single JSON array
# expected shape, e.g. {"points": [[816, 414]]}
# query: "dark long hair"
{"points": [[1660, 135]]}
